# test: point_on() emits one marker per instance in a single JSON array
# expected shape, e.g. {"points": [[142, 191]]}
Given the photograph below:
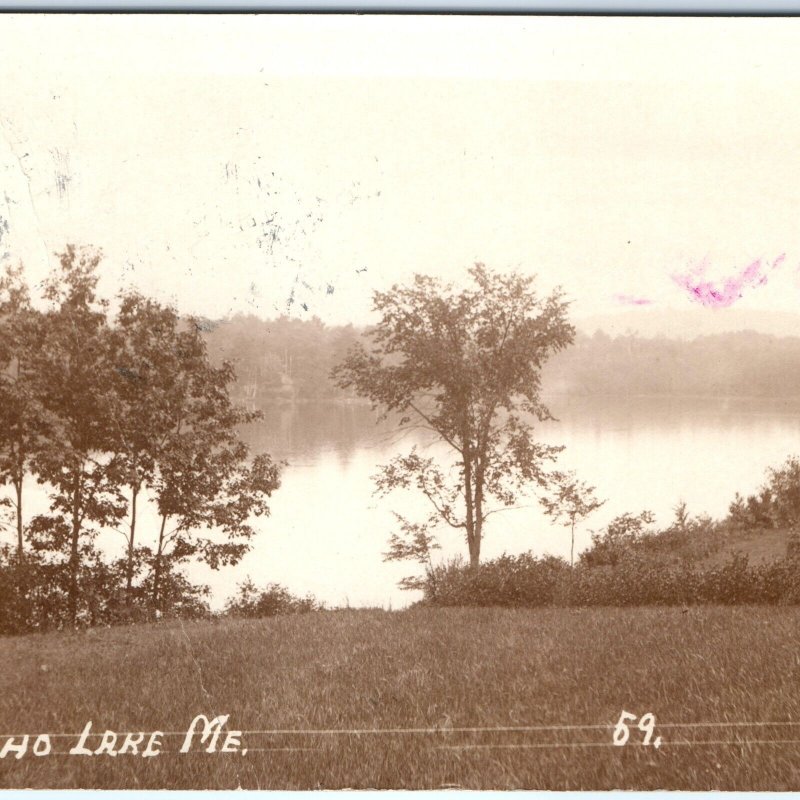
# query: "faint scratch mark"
{"points": [[63, 175], [195, 661], [4, 123], [708, 294], [231, 171]]}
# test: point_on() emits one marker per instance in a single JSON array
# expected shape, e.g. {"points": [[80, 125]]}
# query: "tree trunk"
{"points": [[478, 511], [474, 551], [74, 559], [473, 535], [157, 564], [129, 565], [20, 541], [572, 548]]}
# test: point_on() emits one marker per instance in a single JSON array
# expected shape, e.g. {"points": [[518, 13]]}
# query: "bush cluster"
{"points": [[522, 580], [637, 582], [528, 582], [33, 597], [34, 594], [252, 603], [777, 502]]}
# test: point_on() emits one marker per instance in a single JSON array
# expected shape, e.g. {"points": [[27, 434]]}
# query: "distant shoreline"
{"points": [[346, 401]]}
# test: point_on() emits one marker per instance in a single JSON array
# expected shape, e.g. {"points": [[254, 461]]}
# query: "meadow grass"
{"points": [[435, 669], [760, 546]]}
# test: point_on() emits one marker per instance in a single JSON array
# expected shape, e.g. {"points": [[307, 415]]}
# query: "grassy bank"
{"points": [[437, 669]]}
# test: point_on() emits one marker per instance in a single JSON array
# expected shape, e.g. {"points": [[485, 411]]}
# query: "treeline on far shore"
{"points": [[291, 359]]}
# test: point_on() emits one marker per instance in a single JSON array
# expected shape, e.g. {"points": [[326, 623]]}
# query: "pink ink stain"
{"points": [[713, 296], [630, 300]]}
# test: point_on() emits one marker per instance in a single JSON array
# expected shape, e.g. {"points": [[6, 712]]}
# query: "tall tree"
{"points": [[179, 440], [464, 365], [75, 371], [153, 362], [205, 484], [22, 421], [207, 490]]}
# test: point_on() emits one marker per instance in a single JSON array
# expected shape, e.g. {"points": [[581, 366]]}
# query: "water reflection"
{"points": [[327, 532]]}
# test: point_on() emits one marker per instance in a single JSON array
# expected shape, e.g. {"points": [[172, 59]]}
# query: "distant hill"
{"points": [[731, 353], [690, 323], [734, 364]]}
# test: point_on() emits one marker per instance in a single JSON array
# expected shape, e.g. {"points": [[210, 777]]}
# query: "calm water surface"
{"points": [[327, 532]]}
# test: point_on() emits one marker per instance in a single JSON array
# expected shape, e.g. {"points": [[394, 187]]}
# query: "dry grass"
{"points": [[716, 545], [760, 546], [441, 669]]}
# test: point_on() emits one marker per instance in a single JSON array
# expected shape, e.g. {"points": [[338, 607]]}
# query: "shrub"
{"points": [[34, 593], [274, 599], [622, 535], [522, 580], [632, 580], [777, 502]]}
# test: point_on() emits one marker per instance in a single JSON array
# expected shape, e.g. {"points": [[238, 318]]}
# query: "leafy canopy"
{"points": [[464, 364]]}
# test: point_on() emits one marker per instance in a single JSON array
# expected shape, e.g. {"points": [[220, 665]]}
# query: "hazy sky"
{"points": [[269, 163]]}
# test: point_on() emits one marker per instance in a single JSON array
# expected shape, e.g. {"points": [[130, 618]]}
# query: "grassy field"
{"points": [[411, 682], [760, 546]]}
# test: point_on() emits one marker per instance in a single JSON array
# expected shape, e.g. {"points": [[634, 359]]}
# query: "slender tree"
{"points": [[415, 543], [153, 359], [22, 419], [464, 365], [570, 502], [178, 440], [205, 484], [207, 493], [74, 371]]}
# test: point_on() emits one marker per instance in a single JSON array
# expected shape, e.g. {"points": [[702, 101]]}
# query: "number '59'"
{"points": [[646, 724]]}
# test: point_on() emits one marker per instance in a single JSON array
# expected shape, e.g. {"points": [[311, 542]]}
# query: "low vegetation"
{"points": [[526, 581], [424, 698], [692, 561], [254, 603]]}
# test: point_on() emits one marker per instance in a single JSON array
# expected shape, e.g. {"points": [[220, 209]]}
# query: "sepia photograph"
{"points": [[399, 402]]}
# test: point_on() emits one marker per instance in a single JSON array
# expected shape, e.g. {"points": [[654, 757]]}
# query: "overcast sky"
{"points": [[293, 164]]}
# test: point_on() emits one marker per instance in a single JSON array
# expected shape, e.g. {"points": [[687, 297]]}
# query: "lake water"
{"points": [[327, 532]]}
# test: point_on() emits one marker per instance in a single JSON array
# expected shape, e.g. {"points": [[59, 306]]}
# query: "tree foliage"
{"points": [[569, 502], [23, 422], [777, 502], [108, 412], [622, 534], [75, 371], [464, 365]]}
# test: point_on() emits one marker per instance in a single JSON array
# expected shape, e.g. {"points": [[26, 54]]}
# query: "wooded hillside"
{"points": [[291, 359]]}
